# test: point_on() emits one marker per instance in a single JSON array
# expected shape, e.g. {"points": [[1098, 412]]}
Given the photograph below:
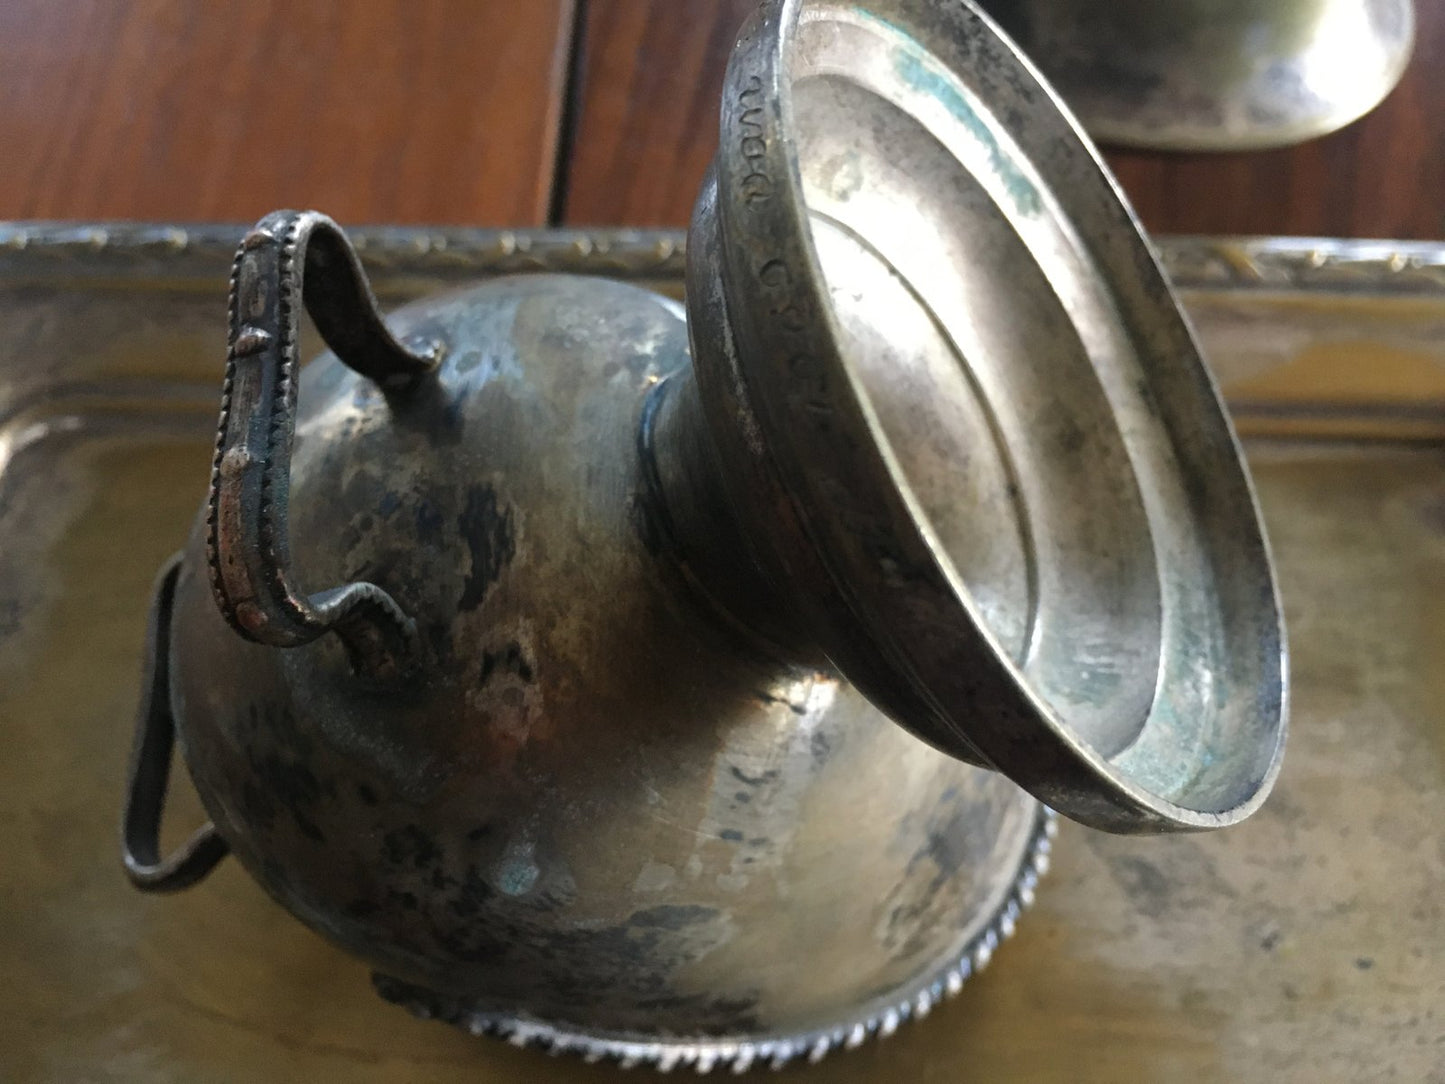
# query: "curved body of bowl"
{"points": [[603, 810]]}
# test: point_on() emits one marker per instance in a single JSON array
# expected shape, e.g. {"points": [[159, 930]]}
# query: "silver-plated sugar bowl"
{"points": [[696, 685]]}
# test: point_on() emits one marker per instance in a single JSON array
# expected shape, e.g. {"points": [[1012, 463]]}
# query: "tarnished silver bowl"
{"points": [[550, 662]]}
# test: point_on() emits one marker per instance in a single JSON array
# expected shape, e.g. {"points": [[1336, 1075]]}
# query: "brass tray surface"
{"points": [[1308, 944]]}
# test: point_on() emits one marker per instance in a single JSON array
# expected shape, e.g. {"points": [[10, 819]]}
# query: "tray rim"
{"points": [[1237, 280], [83, 251]]}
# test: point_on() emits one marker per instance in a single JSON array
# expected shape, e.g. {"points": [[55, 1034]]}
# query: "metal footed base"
{"points": [[740, 1053]]}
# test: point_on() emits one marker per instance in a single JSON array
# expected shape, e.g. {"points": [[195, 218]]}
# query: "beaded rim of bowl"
{"points": [[912, 1001]]}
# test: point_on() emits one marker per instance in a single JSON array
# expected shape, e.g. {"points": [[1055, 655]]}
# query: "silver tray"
{"points": [[1308, 944]]}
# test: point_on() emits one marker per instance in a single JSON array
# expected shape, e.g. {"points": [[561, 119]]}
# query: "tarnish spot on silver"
{"points": [[740, 1055]]}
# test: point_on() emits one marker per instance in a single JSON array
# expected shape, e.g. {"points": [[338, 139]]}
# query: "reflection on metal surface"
{"points": [[1229, 957], [1214, 74], [878, 1021]]}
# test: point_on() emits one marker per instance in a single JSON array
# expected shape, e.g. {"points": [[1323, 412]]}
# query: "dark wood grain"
{"points": [[1383, 176], [646, 129], [647, 107], [405, 111]]}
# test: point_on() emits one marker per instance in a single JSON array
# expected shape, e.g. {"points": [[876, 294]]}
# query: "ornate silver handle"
{"points": [[150, 769], [293, 258]]}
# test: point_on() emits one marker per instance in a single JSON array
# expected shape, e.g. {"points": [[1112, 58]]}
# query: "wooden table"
{"points": [[496, 112]]}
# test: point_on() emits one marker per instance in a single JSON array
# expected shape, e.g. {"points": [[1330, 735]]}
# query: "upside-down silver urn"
{"points": [[695, 685]]}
